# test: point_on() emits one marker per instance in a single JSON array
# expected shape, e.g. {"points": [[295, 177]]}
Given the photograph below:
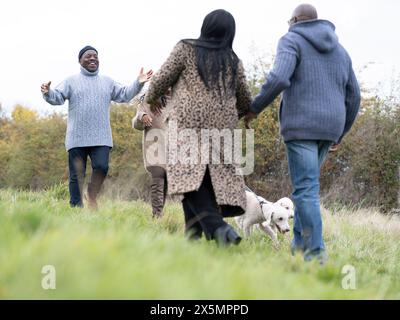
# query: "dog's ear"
{"points": [[267, 210]]}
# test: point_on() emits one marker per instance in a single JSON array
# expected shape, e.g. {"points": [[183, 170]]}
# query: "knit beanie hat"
{"points": [[83, 50]]}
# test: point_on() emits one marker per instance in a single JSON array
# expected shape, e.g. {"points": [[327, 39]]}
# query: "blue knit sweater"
{"points": [[321, 96], [90, 95]]}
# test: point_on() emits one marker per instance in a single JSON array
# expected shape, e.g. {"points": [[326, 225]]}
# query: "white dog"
{"points": [[270, 217], [288, 205]]}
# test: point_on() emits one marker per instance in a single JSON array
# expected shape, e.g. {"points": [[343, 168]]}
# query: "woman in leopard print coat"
{"points": [[203, 102]]}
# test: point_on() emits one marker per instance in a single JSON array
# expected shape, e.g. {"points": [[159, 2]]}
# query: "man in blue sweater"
{"points": [[321, 99], [88, 126]]}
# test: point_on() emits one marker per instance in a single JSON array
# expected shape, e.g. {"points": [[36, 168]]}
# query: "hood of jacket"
{"points": [[320, 33]]}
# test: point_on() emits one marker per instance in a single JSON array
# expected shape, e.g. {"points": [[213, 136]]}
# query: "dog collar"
{"points": [[261, 202]]}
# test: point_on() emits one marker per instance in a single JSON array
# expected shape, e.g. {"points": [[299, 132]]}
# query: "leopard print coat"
{"points": [[194, 107]]}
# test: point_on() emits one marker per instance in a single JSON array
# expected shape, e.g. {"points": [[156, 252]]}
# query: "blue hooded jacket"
{"points": [[321, 96]]}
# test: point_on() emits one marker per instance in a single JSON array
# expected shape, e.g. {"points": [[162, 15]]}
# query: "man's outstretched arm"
{"points": [[56, 96], [127, 93]]}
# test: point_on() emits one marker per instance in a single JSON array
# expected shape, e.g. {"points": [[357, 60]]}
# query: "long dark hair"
{"points": [[214, 53]]}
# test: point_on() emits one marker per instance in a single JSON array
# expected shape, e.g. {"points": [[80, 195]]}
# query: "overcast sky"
{"points": [[40, 40]]}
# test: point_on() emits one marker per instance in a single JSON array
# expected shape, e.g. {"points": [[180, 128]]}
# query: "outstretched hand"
{"points": [[144, 77], [248, 118], [45, 87]]}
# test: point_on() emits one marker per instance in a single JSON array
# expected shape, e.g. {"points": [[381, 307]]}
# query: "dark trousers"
{"points": [[158, 189], [201, 210], [77, 159]]}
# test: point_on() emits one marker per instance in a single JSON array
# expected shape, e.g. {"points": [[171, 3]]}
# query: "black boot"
{"points": [[194, 233], [226, 235]]}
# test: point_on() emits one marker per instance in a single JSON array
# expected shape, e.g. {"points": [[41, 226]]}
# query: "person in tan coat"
{"points": [[153, 125], [209, 92]]}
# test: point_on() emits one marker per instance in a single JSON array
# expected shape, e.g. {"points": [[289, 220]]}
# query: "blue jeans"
{"points": [[77, 158], [305, 158]]}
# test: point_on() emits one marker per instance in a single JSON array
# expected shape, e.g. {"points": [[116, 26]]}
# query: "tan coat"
{"points": [[154, 137], [193, 106]]}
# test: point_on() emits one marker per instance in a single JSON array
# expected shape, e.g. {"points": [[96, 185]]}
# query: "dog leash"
{"points": [[261, 202]]}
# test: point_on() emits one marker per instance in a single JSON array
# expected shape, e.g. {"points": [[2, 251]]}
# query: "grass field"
{"points": [[120, 252]]}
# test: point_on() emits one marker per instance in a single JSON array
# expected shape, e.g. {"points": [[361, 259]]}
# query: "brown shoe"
{"points": [[92, 203]]}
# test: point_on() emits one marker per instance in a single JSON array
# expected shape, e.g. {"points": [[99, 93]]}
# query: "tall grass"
{"points": [[120, 252]]}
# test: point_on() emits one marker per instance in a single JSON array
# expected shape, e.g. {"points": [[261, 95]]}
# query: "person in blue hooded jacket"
{"points": [[320, 101]]}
